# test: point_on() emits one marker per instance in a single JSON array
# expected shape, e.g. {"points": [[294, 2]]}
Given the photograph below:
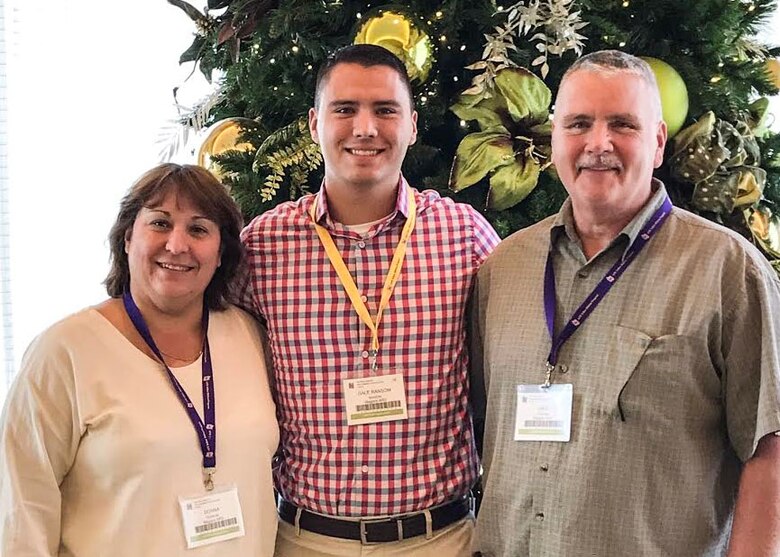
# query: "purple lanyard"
{"points": [[206, 428], [601, 290]]}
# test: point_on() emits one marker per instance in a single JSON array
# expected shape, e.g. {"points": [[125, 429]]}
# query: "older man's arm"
{"points": [[756, 529]]}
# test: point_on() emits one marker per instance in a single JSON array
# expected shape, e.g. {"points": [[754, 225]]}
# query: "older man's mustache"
{"points": [[599, 162]]}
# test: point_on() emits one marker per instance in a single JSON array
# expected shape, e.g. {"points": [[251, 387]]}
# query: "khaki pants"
{"points": [[452, 541]]}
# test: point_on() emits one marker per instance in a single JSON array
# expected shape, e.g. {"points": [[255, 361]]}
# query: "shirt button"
{"points": [[364, 298], [364, 469], [582, 274], [544, 468], [540, 517], [361, 244], [364, 353]]}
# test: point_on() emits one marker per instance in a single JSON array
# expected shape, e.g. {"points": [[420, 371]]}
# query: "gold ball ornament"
{"points": [[773, 69], [396, 32], [674, 94], [220, 137]]}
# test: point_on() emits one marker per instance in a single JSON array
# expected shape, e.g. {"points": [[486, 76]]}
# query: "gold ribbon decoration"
{"points": [[765, 228], [721, 160]]}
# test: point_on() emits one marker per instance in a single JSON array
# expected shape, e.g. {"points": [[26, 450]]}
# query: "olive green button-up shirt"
{"points": [[676, 378]]}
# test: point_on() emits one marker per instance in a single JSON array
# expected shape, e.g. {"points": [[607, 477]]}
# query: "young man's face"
{"points": [[363, 124], [607, 139]]}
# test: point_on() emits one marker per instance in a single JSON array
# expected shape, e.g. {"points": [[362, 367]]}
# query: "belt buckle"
{"points": [[364, 535]]}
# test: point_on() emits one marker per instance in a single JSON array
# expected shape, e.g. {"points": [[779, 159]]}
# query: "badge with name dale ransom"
{"points": [[375, 399]]}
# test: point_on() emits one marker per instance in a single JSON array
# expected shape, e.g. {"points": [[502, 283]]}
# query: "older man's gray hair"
{"points": [[616, 61]]}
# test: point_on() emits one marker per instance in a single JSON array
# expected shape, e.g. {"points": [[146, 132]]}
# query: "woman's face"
{"points": [[173, 251]]}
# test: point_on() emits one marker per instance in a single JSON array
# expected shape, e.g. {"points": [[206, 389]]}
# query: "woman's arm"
{"points": [[39, 436]]}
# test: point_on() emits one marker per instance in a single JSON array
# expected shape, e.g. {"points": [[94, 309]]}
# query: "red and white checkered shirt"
{"points": [[317, 339]]}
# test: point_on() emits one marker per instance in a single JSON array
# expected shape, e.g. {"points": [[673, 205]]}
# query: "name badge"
{"points": [[543, 414], [211, 518], [375, 399]]}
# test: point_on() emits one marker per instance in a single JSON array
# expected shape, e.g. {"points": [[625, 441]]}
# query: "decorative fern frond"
{"points": [[282, 136], [290, 153]]}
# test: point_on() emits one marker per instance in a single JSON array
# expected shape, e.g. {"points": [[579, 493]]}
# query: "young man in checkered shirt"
{"points": [[362, 288]]}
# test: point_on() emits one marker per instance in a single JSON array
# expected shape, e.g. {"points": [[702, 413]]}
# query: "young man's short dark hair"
{"points": [[366, 55]]}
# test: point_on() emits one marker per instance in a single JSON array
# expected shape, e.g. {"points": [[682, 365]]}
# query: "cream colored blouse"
{"points": [[95, 447]]}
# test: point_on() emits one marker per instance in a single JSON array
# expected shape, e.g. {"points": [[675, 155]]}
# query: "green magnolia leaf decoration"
{"points": [[527, 97], [478, 154], [512, 182], [514, 144], [487, 111]]}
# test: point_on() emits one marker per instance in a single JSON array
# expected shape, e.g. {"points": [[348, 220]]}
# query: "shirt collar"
{"points": [[401, 202], [563, 224]]}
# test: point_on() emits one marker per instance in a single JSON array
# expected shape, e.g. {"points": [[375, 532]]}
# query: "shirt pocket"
{"points": [[655, 378], [311, 401]]}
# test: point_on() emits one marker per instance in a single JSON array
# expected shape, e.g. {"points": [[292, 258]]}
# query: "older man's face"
{"points": [[607, 138]]}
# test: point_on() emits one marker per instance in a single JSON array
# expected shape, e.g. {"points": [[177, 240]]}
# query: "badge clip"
{"points": [[208, 478], [372, 354], [548, 376]]}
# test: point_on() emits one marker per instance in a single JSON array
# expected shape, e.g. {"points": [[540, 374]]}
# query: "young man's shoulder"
{"points": [[288, 213], [431, 200]]}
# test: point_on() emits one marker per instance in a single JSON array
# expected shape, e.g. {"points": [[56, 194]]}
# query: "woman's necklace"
{"points": [[179, 358]]}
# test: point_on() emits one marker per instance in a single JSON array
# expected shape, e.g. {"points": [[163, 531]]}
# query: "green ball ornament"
{"points": [[674, 94]]}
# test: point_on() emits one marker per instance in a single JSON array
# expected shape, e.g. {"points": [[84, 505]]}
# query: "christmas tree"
{"points": [[484, 73]]}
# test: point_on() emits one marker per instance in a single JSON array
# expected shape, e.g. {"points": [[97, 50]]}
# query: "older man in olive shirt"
{"points": [[630, 369]]}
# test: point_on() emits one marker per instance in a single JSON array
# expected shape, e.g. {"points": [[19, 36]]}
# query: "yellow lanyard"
{"points": [[349, 284]]}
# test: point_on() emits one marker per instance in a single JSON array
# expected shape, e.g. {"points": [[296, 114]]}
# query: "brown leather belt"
{"points": [[375, 530]]}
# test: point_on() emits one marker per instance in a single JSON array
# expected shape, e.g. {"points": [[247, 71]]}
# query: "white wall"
{"points": [[90, 85], [6, 332]]}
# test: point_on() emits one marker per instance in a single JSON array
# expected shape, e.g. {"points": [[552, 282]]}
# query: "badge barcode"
{"points": [[543, 423], [379, 405], [215, 525]]}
